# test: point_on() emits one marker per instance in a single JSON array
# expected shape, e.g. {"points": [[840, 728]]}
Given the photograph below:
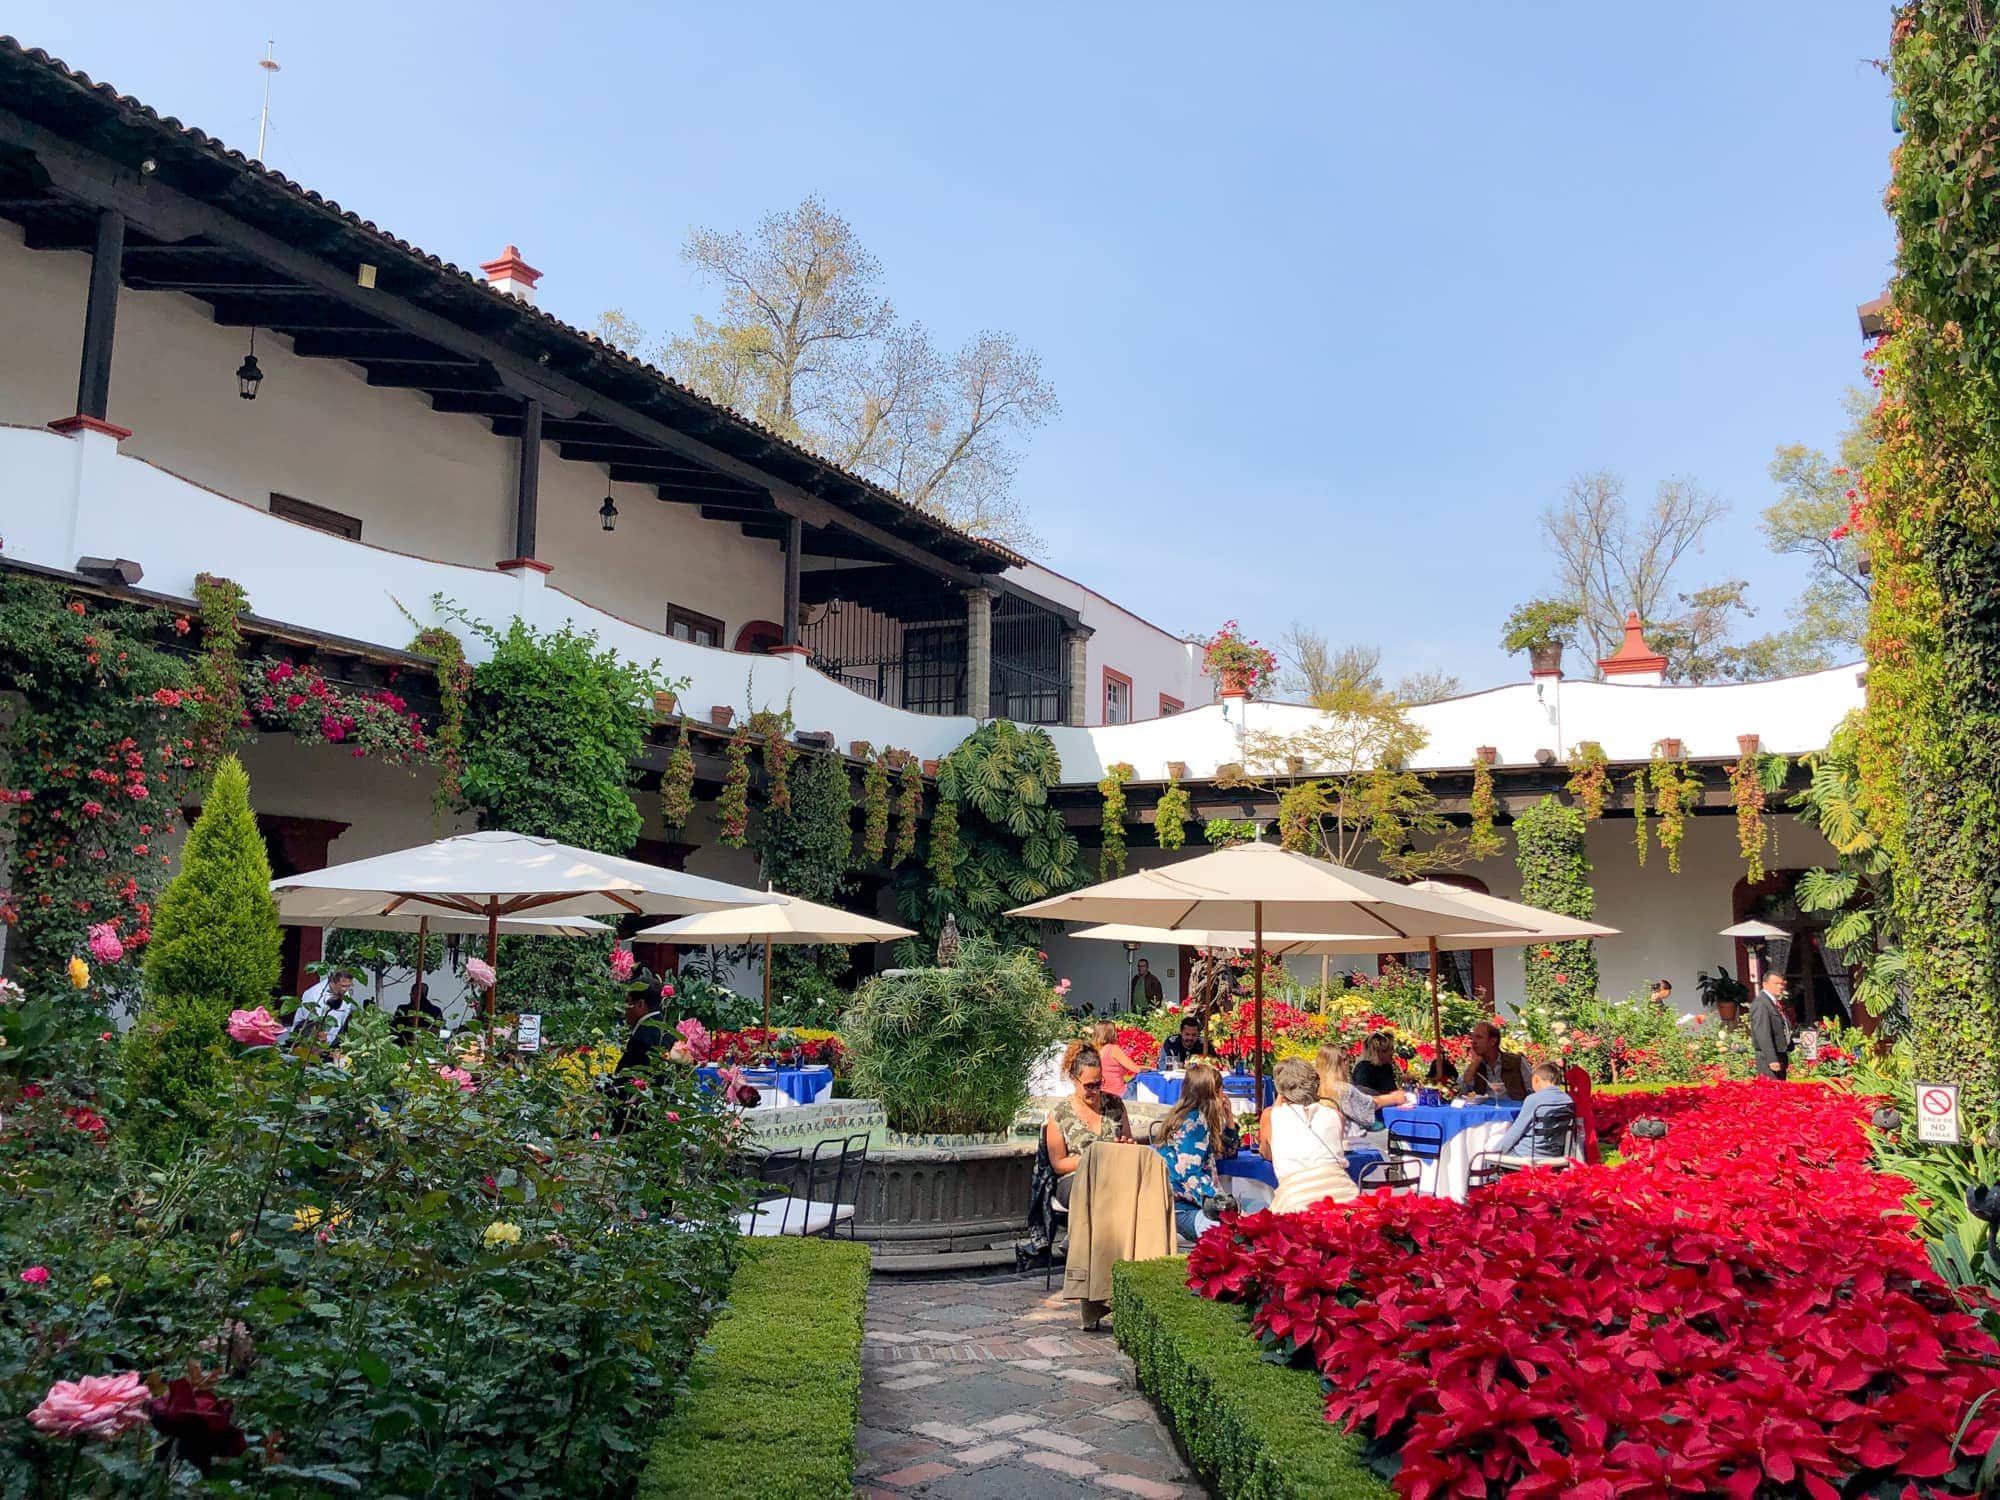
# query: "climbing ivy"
{"points": [[1752, 779], [1171, 816], [1590, 779], [1640, 835], [1111, 853], [773, 730], [732, 808], [875, 808], [1929, 506], [446, 653], [219, 607], [1555, 876], [677, 783]]}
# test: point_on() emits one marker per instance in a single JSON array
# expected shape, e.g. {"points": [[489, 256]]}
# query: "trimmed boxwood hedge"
{"points": [[1249, 1427], [775, 1393]]}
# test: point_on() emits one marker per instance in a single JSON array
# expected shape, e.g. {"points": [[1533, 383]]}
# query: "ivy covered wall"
{"points": [[1929, 505]]}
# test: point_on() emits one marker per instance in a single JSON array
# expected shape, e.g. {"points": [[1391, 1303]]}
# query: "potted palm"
{"points": [[1542, 627], [1724, 991], [1239, 664]]}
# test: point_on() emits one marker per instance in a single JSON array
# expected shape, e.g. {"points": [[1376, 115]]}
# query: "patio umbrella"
{"points": [[1528, 926], [494, 875], [424, 923], [1252, 886], [787, 920]]}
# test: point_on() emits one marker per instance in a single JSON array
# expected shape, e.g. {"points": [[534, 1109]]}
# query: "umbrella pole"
{"points": [[423, 938], [767, 983], [1325, 991], [493, 963], [1257, 1008], [1437, 1013]]}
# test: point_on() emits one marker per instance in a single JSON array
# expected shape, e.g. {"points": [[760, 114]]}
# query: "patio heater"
{"points": [[1756, 933]]}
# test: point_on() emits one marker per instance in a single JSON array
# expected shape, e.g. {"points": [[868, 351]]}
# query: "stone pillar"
{"points": [[1077, 647], [979, 653]]}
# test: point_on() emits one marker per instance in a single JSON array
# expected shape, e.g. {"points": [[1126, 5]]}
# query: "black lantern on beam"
{"points": [[248, 376], [608, 514]]}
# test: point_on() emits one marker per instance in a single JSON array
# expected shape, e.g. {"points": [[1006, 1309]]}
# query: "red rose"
{"points": [[197, 1422]]}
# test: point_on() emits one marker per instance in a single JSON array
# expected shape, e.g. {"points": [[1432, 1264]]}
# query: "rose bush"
{"points": [[340, 1287], [1739, 1308]]}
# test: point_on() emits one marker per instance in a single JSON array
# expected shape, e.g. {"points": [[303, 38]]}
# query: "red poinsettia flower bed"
{"points": [[1739, 1309], [1143, 1045]]}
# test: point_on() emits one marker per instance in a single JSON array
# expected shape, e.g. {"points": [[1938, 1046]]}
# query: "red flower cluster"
{"points": [[1143, 1045], [753, 1044], [1738, 1309]]}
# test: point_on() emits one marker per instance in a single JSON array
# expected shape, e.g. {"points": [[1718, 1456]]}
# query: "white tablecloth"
{"points": [[1450, 1175]]}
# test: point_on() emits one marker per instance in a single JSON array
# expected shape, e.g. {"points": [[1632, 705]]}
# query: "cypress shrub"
{"points": [[214, 950]]}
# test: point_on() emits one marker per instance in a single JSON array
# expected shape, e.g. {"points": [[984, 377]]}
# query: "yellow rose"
{"points": [[79, 973], [501, 1233], [306, 1218], [99, 1283]]}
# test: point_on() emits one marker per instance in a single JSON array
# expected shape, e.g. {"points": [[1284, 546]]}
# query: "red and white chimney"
{"points": [[1634, 662], [512, 275]]}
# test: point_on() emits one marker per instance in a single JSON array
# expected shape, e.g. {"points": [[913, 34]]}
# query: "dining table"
{"points": [[1155, 1087], [1446, 1137], [781, 1088]]}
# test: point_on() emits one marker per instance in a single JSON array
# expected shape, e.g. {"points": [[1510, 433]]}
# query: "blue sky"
{"points": [[1335, 297]]}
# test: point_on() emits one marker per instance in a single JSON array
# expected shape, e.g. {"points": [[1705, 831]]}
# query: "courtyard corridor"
{"points": [[988, 1390]]}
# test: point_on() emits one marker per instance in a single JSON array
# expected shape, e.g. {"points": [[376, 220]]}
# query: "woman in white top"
{"points": [[1304, 1140]]}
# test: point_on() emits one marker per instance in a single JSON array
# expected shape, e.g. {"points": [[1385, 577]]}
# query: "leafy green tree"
{"points": [[1854, 893], [1555, 876], [214, 950]]}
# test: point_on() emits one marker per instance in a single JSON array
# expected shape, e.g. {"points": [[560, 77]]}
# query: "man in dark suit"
{"points": [[1771, 1028]]}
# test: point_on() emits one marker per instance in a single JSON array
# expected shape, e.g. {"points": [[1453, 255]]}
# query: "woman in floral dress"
{"points": [[1187, 1139]]}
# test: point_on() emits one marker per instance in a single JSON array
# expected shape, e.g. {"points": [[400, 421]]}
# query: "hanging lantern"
{"points": [[608, 514], [248, 376]]}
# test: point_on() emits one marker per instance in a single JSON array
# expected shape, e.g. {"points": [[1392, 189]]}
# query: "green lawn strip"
{"points": [[775, 1393], [1250, 1428]]}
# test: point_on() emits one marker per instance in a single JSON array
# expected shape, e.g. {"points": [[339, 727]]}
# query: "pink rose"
{"points": [[459, 1076], [666, 992], [480, 972], [255, 1028], [622, 964], [695, 1035], [104, 944], [35, 1275], [95, 1406]]}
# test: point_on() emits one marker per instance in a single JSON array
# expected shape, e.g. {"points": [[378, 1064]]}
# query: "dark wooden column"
{"points": [[100, 316], [527, 489], [794, 545], [294, 846]]}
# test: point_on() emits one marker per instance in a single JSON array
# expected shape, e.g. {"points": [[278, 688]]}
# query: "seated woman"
{"points": [[1088, 1115], [1376, 1072], [1305, 1141], [1189, 1138], [1357, 1106], [1120, 1066]]}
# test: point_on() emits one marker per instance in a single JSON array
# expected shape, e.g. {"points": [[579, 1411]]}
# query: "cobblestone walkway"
{"points": [[988, 1390]]}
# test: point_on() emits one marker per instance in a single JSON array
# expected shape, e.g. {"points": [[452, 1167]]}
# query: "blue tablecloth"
{"points": [[1247, 1163], [800, 1085], [1452, 1121], [1167, 1090]]}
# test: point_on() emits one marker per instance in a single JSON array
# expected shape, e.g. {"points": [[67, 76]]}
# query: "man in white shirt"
{"points": [[324, 1008]]}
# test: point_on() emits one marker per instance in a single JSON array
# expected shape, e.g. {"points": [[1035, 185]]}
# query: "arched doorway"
{"points": [[759, 636], [1462, 971], [1821, 987]]}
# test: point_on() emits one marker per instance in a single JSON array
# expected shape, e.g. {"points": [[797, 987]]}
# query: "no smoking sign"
{"points": [[1937, 1113]]}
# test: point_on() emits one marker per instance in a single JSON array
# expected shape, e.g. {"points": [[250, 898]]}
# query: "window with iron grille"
{"points": [[1030, 663], [934, 669]]}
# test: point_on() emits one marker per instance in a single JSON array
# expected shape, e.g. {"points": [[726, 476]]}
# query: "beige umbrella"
{"points": [[1251, 886], [1530, 925], [495, 875], [786, 920]]}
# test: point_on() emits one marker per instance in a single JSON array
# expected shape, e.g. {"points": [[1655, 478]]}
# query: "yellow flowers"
{"points": [[99, 1282], [500, 1233], [312, 1216], [79, 974], [578, 1068]]}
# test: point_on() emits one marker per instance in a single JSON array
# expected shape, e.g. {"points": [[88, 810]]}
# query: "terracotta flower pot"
{"points": [[1746, 744], [1544, 661], [1671, 749], [1177, 770], [1728, 1011], [931, 767], [1486, 755], [720, 714], [665, 702], [1236, 682]]}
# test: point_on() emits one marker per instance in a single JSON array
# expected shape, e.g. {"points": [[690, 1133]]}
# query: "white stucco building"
{"points": [[421, 438]]}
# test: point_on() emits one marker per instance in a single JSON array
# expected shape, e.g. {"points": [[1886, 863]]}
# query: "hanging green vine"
{"points": [[446, 652], [945, 851], [1639, 829], [1171, 816], [1484, 840], [1111, 853], [1590, 780], [875, 809], [773, 730], [1751, 781], [219, 607], [806, 848], [677, 783], [909, 810], [732, 808], [1676, 791]]}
